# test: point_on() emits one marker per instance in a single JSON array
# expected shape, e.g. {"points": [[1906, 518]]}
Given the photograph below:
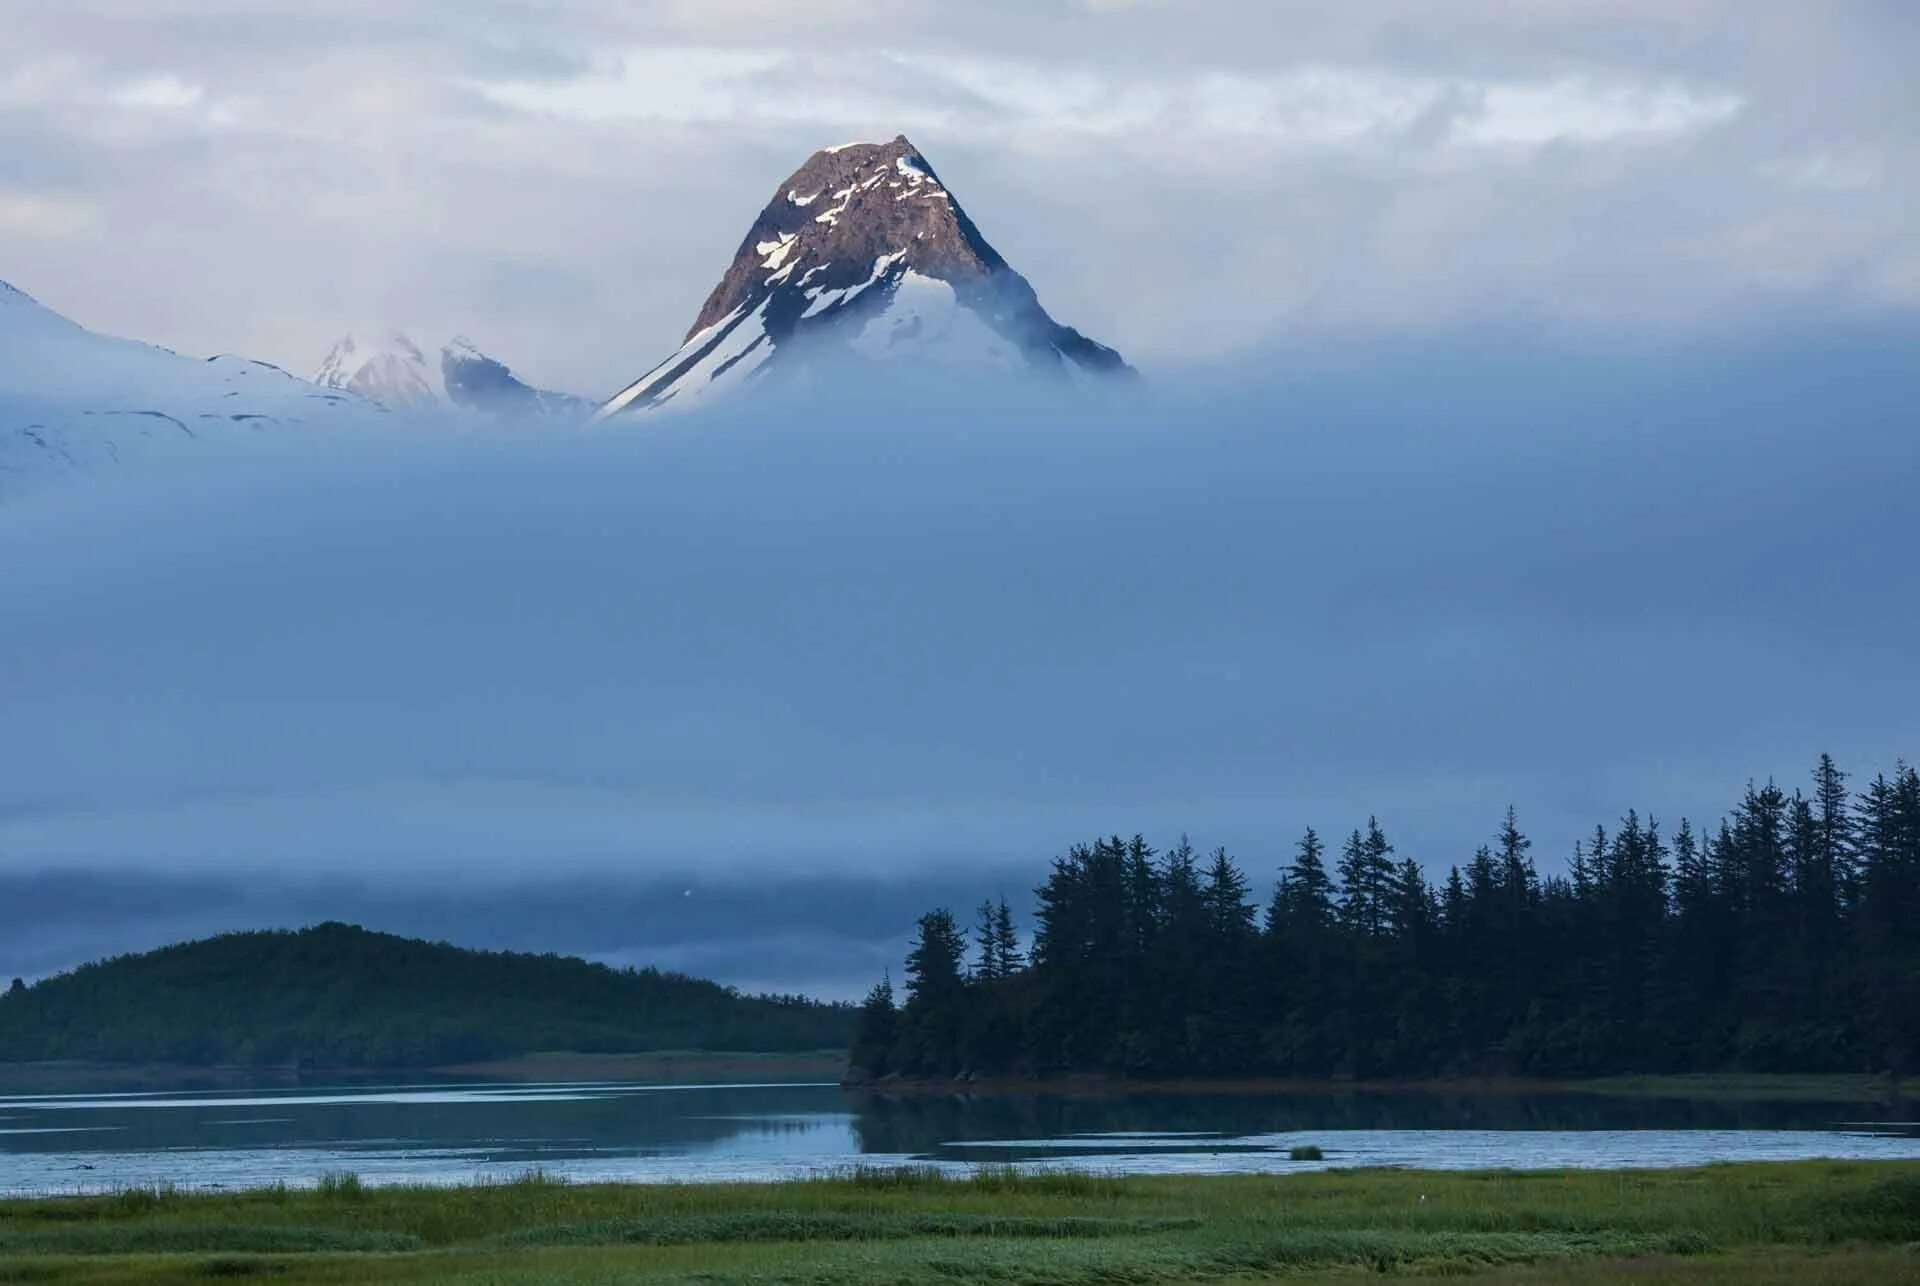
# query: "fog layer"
{"points": [[913, 633]]}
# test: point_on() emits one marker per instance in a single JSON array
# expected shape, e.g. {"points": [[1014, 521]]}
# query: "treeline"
{"points": [[336, 995], [1787, 939]]}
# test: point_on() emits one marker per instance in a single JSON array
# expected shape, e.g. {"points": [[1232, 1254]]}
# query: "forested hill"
{"points": [[335, 995]]}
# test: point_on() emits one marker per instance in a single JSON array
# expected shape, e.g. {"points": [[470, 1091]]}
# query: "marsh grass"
{"points": [[995, 1224], [341, 1185]]}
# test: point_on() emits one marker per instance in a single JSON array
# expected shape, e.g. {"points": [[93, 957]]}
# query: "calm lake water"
{"points": [[656, 1132]]}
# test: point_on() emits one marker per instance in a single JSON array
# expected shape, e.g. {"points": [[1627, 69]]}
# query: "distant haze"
{"points": [[678, 694]]}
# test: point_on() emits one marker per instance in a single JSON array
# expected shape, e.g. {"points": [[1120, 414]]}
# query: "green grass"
{"points": [[1807, 1222]]}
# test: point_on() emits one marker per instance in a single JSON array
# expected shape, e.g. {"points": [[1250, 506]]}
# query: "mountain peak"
{"points": [[848, 206], [863, 243], [385, 367], [393, 370]]}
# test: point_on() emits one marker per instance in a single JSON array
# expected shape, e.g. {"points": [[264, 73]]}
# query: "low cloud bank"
{"points": [[933, 635]]}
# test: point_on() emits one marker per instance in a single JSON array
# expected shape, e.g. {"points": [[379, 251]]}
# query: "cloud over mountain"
{"points": [[1266, 174]]}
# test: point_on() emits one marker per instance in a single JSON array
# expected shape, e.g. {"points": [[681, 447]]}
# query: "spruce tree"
{"points": [[1229, 915], [875, 1032], [1366, 881], [1833, 820], [1517, 877], [1303, 902], [936, 964], [1006, 941], [935, 1018], [986, 966], [1453, 902]]}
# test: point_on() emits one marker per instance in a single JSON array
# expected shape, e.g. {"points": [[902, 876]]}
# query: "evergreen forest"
{"points": [[1786, 938]]}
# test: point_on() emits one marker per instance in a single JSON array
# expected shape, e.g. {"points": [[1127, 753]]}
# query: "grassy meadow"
{"points": [[1801, 1223]]}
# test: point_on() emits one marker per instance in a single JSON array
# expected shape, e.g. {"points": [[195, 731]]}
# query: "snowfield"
{"points": [[72, 401]]}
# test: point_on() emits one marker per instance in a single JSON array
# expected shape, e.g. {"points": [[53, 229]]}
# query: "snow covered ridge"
{"points": [[72, 401], [389, 368], [865, 251]]}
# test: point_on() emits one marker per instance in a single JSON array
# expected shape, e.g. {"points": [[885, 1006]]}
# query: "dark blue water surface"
{"points": [[446, 1133]]}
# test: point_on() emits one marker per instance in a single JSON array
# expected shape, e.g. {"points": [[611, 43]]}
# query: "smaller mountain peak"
{"points": [[475, 381], [397, 373], [374, 342], [389, 368]]}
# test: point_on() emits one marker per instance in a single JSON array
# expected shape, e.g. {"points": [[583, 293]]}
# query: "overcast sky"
{"points": [[1530, 420], [1191, 182]]}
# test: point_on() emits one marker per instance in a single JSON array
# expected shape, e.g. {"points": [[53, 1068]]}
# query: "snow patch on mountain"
{"points": [[863, 251], [73, 401], [925, 319], [723, 357], [76, 402], [389, 369]]}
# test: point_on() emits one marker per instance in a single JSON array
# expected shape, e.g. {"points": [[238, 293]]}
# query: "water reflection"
{"points": [[652, 1132], [921, 1123]]}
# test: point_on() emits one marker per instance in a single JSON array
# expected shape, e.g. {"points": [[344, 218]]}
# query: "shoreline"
{"points": [[60, 1077], [820, 1065]]}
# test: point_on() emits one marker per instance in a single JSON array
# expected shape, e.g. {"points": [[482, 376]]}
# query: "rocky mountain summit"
{"points": [[864, 249]]}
